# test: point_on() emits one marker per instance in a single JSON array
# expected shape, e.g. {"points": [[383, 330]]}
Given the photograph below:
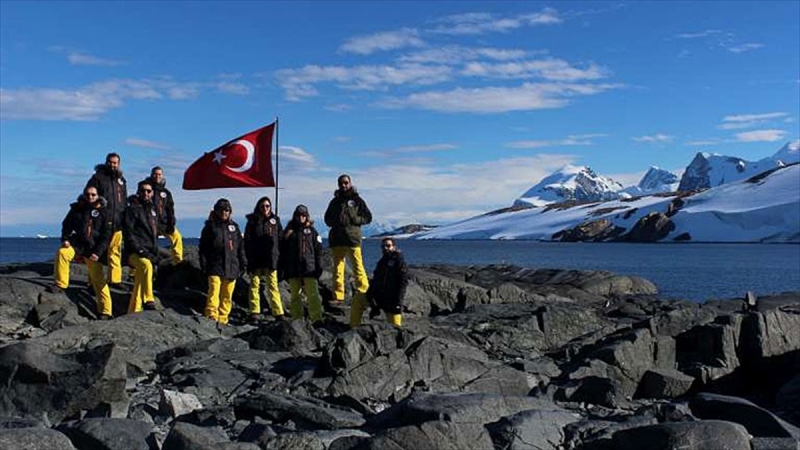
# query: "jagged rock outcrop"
{"points": [[489, 357]]}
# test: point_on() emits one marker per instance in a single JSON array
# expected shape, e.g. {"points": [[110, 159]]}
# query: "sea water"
{"points": [[689, 271]]}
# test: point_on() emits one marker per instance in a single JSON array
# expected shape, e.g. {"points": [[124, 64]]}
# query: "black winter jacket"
{"points": [[112, 186], [301, 251], [262, 237], [222, 249], [86, 227], [165, 207], [140, 230], [389, 283], [345, 215]]}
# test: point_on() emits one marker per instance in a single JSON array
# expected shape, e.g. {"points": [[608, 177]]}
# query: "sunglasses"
{"points": [[147, 191], [91, 195], [266, 206]]}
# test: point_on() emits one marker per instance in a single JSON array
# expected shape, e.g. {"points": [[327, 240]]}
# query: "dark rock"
{"points": [[758, 421], [311, 412], [434, 435], [185, 436], [653, 227], [37, 381], [108, 434], [700, 435], [664, 383], [762, 443], [592, 231], [532, 429], [34, 438]]}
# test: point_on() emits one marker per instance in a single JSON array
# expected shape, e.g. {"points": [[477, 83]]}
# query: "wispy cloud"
{"points": [[296, 155], [388, 40], [740, 121], [528, 96], [338, 107], [77, 58], [744, 47], [703, 142], [482, 23], [426, 148], [654, 139], [232, 88], [720, 39], [572, 140], [761, 136], [456, 54], [90, 102], [300, 83], [548, 69], [135, 142]]}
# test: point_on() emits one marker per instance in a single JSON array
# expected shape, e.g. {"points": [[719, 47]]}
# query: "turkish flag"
{"points": [[242, 162]]}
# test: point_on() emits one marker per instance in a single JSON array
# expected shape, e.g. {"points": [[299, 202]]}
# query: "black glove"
{"points": [[394, 309], [170, 229], [318, 273]]}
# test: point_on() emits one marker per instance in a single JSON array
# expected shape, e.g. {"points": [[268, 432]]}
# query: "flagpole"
{"points": [[277, 164]]}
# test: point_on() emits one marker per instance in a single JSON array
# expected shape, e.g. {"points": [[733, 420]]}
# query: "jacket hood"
{"points": [[105, 169], [100, 200], [352, 192], [163, 182]]}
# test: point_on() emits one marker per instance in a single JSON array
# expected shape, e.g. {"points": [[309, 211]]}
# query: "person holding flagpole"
{"points": [[262, 236], [345, 215], [222, 259]]}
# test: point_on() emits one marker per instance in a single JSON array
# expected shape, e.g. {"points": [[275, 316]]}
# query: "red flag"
{"points": [[242, 162]]}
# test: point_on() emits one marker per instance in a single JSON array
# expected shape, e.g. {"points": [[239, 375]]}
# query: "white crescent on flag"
{"points": [[248, 163]]}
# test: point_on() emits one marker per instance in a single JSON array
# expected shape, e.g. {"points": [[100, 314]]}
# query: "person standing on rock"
{"points": [[345, 215], [262, 235], [140, 229], [301, 263], [222, 259], [85, 233], [389, 282], [165, 208], [112, 186]]}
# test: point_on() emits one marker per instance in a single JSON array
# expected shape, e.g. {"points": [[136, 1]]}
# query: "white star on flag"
{"points": [[218, 157]]}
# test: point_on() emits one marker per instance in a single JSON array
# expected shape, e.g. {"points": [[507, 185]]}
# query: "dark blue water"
{"points": [[689, 271]]}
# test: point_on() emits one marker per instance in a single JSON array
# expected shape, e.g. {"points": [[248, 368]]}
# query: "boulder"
{"points": [[758, 421], [664, 383], [534, 429], [699, 435], [312, 413], [433, 435], [108, 434], [34, 438]]}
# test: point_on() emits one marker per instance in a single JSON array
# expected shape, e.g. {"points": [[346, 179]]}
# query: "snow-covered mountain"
{"points": [[579, 183], [654, 181], [764, 208], [710, 169]]}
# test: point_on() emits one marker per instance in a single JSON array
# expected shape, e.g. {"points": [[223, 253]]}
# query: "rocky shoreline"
{"points": [[493, 357]]}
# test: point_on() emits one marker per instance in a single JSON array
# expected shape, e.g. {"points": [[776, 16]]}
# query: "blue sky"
{"points": [[439, 110]]}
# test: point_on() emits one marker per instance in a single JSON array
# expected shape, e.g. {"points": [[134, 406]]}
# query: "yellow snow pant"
{"points": [[356, 262], [271, 278], [311, 290], [142, 283], [96, 278], [220, 298], [115, 258]]}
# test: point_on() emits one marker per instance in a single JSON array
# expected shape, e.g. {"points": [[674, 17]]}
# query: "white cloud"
{"points": [[549, 69], [77, 58], [299, 83], [656, 138], [90, 102], [740, 121], [703, 142], [296, 155], [572, 140], [338, 107], [761, 136], [455, 54], [744, 47], [145, 144], [388, 40], [701, 34], [83, 59], [481, 23], [528, 96], [233, 88]]}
